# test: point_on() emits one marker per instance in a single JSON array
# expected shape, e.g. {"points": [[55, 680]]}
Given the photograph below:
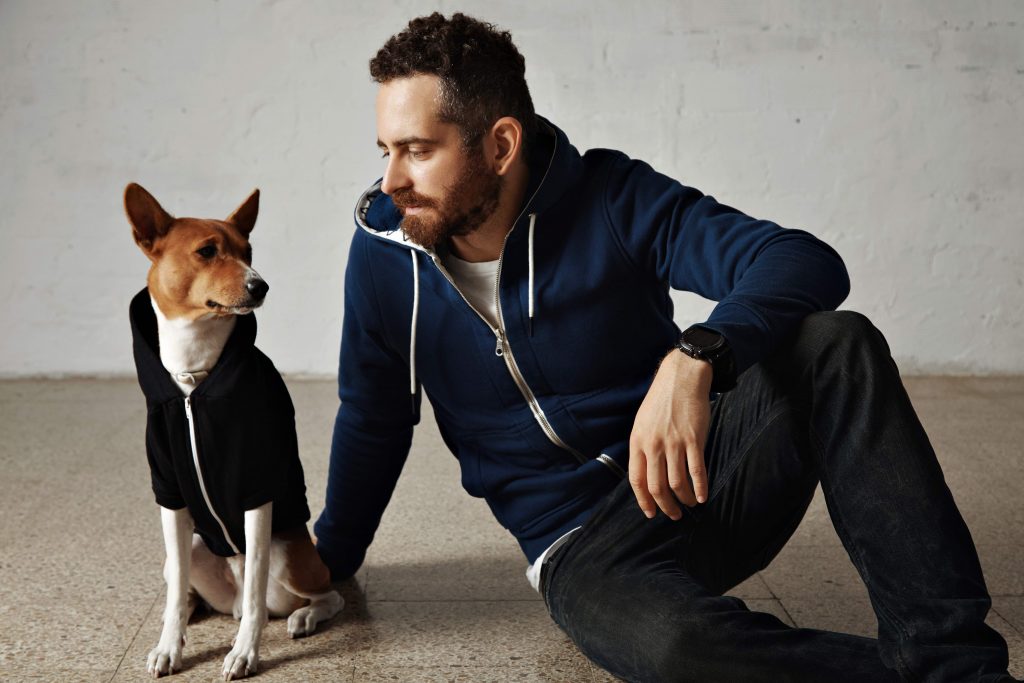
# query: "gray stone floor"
{"points": [[442, 596]]}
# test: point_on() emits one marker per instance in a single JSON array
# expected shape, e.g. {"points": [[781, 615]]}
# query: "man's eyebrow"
{"points": [[411, 140]]}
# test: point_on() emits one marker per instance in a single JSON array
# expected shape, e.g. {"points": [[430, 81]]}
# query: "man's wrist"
{"points": [[704, 344]]}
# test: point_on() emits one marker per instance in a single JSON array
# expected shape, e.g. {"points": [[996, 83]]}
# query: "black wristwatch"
{"points": [[703, 343]]}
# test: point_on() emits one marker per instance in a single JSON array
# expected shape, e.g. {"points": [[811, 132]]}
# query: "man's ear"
{"points": [[244, 216], [505, 143], [149, 220]]}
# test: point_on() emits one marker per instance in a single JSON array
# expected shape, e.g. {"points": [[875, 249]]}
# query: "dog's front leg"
{"points": [[243, 659], [165, 658]]}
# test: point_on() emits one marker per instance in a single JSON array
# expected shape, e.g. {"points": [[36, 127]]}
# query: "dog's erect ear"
{"points": [[149, 220], [244, 216]]}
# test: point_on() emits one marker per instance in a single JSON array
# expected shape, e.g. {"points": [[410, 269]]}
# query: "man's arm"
{"points": [[766, 280], [373, 428]]}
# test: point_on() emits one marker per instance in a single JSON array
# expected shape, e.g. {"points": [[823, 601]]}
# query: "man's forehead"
{"points": [[407, 110]]}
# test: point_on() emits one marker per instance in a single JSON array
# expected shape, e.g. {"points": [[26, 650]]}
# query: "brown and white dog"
{"points": [[200, 279]]}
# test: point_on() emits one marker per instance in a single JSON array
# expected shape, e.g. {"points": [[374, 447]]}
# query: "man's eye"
{"points": [[209, 251], [385, 155], [419, 154]]}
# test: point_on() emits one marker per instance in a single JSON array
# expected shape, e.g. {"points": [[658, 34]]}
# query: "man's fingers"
{"points": [[657, 484], [698, 473], [678, 480], [638, 480]]}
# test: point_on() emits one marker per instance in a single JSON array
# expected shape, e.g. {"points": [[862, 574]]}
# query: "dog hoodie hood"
{"points": [[246, 452]]}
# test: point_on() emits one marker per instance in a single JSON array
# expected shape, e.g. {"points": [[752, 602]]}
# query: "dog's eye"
{"points": [[248, 254], [209, 251]]}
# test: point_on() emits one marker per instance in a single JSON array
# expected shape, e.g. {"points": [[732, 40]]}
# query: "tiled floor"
{"points": [[442, 595]]}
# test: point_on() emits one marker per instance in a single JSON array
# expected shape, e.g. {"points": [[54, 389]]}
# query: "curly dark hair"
{"points": [[482, 74]]}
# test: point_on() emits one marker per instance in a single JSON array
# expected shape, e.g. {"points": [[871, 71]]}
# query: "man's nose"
{"points": [[394, 178]]}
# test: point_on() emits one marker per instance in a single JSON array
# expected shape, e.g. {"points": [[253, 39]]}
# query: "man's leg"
{"points": [[888, 501], [642, 598], [620, 592]]}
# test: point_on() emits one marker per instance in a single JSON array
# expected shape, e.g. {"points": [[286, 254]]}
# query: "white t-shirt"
{"points": [[477, 282]]}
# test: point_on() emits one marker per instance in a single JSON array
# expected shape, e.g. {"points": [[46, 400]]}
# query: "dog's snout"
{"points": [[258, 288]]}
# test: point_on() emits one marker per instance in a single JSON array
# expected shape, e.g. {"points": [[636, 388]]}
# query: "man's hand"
{"points": [[668, 437]]}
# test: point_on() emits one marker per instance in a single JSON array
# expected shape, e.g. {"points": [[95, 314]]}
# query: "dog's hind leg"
{"points": [[297, 567], [212, 578]]}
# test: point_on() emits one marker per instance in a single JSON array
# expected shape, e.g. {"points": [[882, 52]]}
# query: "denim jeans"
{"points": [[644, 598]]}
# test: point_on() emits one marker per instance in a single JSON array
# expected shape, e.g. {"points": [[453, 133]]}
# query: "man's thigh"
{"points": [[762, 476]]}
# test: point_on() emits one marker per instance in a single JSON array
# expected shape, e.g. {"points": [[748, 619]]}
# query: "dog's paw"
{"points": [[165, 658], [242, 661], [302, 622]]}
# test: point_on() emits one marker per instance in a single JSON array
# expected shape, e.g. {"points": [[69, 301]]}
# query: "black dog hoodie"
{"points": [[228, 447]]}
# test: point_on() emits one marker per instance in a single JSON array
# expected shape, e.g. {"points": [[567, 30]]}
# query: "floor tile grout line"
{"points": [[764, 582], [782, 606], [1010, 623], [134, 637]]}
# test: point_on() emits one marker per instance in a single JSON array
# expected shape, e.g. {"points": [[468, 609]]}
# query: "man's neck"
{"points": [[485, 243]]}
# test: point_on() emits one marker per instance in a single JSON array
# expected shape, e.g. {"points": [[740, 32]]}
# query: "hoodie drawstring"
{"points": [[533, 222], [412, 331], [416, 307]]}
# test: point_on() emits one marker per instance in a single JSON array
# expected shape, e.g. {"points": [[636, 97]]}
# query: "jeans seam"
{"points": [[745, 451]]}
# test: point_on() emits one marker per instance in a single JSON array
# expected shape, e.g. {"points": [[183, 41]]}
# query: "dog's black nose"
{"points": [[257, 289]]}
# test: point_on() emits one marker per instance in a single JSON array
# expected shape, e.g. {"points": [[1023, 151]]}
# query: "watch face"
{"points": [[701, 338]]}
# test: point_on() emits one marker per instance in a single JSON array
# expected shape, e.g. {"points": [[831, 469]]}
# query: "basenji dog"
{"points": [[204, 383]]}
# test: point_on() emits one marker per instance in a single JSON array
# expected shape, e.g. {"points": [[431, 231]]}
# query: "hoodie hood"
{"points": [[555, 167], [154, 379]]}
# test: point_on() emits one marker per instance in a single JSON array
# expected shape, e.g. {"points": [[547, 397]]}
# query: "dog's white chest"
{"points": [[190, 348]]}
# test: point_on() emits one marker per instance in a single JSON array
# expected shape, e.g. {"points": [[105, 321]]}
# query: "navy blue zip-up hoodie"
{"points": [[539, 411]]}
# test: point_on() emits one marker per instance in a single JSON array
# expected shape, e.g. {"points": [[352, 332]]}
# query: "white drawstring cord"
{"points": [[533, 221], [412, 331]]}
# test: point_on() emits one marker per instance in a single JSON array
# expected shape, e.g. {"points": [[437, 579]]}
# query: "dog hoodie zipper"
{"points": [[199, 472]]}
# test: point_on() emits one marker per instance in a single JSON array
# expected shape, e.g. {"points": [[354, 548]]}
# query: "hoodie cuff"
{"points": [[342, 559]]}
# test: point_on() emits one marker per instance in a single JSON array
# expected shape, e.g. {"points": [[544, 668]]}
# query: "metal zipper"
{"points": [[199, 472], [504, 349]]}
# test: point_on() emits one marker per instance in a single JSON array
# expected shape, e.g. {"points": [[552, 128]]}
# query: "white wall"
{"points": [[893, 130]]}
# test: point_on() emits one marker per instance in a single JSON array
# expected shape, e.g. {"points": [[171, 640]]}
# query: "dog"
{"points": [[220, 438]]}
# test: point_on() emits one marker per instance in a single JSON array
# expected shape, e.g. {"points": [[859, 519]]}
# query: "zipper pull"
{"points": [[499, 350]]}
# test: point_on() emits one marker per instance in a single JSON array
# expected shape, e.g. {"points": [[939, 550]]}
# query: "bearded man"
{"points": [[525, 287]]}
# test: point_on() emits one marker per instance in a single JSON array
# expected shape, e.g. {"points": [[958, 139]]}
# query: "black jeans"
{"points": [[644, 598]]}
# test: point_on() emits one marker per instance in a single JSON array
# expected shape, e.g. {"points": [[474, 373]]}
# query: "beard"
{"points": [[448, 215]]}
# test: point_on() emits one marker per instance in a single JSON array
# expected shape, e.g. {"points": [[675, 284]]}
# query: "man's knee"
{"points": [[675, 641], [695, 645], [841, 333]]}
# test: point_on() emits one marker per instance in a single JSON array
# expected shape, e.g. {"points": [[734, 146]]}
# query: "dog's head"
{"points": [[200, 267]]}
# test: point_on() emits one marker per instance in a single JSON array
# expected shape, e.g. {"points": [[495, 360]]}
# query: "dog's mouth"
{"points": [[247, 307]]}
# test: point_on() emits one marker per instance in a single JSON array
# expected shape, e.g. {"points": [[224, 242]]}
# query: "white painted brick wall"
{"points": [[893, 130]]}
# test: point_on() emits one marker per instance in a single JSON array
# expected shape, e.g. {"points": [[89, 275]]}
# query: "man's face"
{"points": [[442, 188]]}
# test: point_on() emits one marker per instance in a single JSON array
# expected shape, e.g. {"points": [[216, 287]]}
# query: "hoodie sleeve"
{"points": [[765, 278], [373, 428]]}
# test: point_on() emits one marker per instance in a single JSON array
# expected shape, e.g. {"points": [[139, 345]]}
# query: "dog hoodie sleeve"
{"points": [[161, 467]]}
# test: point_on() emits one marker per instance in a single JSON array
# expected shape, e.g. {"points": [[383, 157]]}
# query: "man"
{"points": [[526, 287]]}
